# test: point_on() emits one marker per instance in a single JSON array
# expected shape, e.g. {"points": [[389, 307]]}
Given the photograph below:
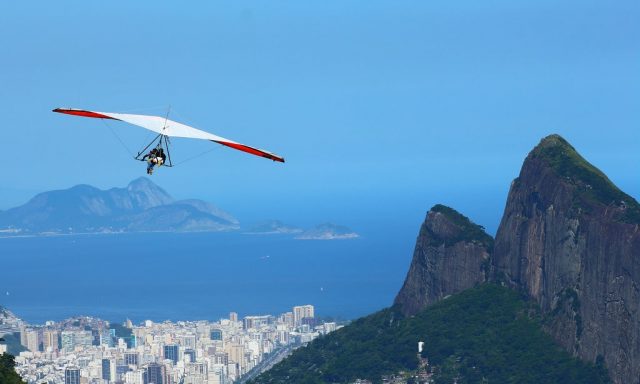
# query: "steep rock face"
{"points": [[571, 240], [451, 255]]}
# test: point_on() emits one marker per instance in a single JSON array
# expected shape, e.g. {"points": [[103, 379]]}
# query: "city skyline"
{"points": [[196, 352]]}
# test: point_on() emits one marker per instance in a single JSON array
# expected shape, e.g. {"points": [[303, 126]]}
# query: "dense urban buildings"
{"points": [[91, 351]]}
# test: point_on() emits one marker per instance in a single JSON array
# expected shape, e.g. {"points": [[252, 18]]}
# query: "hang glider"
{"points": [[166, 128]]}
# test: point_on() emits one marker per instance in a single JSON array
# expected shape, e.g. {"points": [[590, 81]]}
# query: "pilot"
{"points": [[152, 160]]}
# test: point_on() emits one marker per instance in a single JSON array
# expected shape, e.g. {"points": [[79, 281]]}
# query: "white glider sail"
{"points": [[170, 128]]}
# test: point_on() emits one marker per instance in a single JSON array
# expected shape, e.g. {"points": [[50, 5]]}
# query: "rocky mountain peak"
{"points": [[569, 238], [144, 193], [141, 184], [450, 226], [451, 255], [589, 186]]}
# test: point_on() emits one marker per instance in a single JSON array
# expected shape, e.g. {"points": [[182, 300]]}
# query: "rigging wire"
{"points": [[150, 134], [113, 132], [117, 137], [197, 156]]}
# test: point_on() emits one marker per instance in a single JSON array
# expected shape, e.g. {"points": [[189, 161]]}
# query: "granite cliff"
{"points": [[569, 246], [570, 239], [451, 255]]}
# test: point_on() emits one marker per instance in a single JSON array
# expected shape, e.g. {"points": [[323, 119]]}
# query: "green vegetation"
{"points": [[593, 183], [8, 374], [485, 334], [469, 231], [364, 349]]}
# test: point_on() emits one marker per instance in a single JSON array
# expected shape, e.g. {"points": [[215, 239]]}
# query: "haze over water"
{"points": [[191, 276]]}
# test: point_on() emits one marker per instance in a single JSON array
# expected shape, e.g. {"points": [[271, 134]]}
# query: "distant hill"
{"points": [[328, 231], [9, 330], [271, 227], [9, 323], [141, 206], [487, 333]]}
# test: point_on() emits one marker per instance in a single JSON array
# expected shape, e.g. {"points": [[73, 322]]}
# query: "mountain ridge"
{"points": [[140, 206], [568, 241], [592, 183]]}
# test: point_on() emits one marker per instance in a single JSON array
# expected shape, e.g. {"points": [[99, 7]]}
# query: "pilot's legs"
{"points": [[150, 166]]}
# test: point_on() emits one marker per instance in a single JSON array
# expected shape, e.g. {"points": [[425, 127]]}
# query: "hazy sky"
{"points": [[381, 109]]}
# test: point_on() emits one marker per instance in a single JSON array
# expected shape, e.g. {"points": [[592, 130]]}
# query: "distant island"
{"points": [[141, 206], [273, 227], [328, 231]]}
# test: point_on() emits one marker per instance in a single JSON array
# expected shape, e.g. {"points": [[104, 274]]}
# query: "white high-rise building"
{"points": [[84, 338], [135, 377], [23, 336], [329, 327], [34, 338], [301, 312], [287, 318], [50, 340], [67, 340]]}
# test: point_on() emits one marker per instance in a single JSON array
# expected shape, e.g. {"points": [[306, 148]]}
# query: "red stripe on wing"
{"points": [[80, 112], [251, 150]]}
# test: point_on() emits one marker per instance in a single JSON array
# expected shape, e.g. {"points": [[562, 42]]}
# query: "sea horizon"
{"points": [[162, 276]]}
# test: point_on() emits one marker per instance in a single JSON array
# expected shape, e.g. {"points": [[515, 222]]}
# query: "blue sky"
{"points": [[382, 109]]}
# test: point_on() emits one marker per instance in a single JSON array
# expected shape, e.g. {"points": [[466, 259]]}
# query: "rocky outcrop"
{"points": [[571, 240], [451, 255], [9, 323]]}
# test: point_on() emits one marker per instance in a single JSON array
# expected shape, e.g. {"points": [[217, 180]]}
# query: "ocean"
{"points": [[199, 276]]}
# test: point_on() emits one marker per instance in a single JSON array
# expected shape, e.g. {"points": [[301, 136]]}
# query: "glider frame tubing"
{"points": [[160, 139]]}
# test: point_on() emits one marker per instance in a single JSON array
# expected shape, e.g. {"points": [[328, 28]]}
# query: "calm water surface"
{"points": [[192, 276]]}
